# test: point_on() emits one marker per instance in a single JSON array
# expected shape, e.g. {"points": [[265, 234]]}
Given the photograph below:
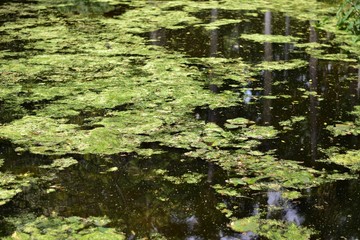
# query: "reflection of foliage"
{"points": [[349, 16]]}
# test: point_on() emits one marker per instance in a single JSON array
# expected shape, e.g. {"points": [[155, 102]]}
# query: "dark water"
{"points": [[142, 202], [336, 95]]}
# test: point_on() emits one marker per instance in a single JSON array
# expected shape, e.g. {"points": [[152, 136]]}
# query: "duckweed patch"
{"points": [[262, 38], [347, 127], [271, 229], [218, 23], [11, 185], [281, 65], [189, 178], [349, 159], [28, 227], [61, 163]]}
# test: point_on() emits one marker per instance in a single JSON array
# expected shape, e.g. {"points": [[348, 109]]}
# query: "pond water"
{"points": [[178, 120]]}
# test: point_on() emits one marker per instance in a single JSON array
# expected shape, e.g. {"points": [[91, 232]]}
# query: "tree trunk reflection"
{"points": [[267, 74]]}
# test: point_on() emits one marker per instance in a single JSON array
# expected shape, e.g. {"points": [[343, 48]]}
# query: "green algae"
{"points": [[61, 163], [343, 129], [87, 8], [53, 227], [218, 23], [152, 17], [262, 38], [11, 185], [281, 65], [219, 70], [140, 93], [348, 127], [41, 135], [188, 178], [236, 123], [271, 229], [319, 54], [303, 10], [350, 159], [289, 124]]}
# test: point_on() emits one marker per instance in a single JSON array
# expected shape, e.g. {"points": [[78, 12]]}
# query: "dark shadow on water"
{"points": [[197, 41], [117, 11], [14, 46], [333, 210]]}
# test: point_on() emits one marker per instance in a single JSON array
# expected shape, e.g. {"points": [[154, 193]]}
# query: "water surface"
{"points": [[150, 177]]}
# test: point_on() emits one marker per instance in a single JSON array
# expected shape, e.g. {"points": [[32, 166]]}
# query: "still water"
{"points": [[139, 201]]}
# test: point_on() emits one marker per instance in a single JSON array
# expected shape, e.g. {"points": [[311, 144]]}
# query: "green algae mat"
{"points": [[177, 120]]}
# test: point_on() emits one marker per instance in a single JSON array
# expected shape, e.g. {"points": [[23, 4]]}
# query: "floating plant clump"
{"points": [[54, 227]]}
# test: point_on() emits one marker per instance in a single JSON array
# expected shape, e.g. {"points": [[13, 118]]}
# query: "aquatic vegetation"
{"points": [[11, 185], [237, 123], [189, 178], [319, 54], [218, 70], [347, 128], [288, 124], [218, 23], [53, 227], [41, 134], [349, 159], [152, 17], [302, 9], [261, 38], [271, 229], [83, 81], [281, 65], [61, 163]]}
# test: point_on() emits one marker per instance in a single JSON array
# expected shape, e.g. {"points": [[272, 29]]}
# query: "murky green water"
{"points": [[177, 120]]}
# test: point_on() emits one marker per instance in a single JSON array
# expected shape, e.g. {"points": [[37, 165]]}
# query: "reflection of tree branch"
{"points": [[213, 34]]}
